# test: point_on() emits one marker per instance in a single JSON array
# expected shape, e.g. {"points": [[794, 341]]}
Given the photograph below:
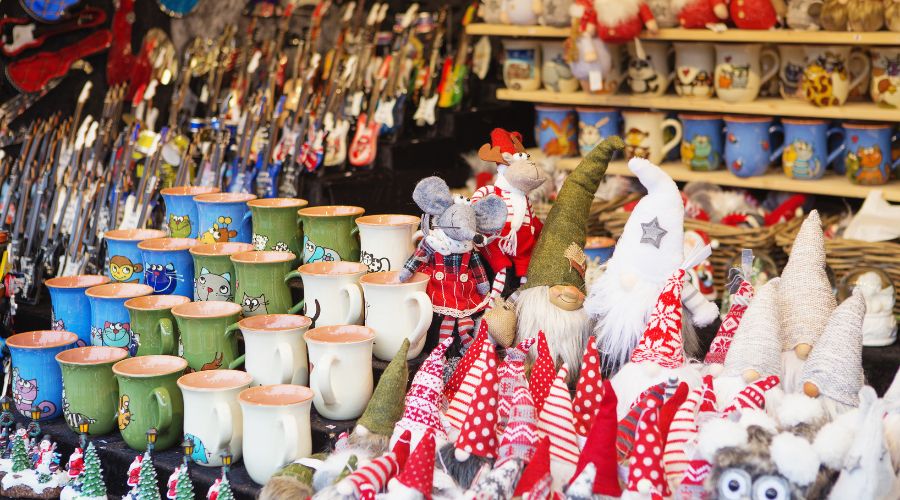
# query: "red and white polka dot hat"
{"points": [[646, 474], [542, 373], [478, 434], [589, 390]]}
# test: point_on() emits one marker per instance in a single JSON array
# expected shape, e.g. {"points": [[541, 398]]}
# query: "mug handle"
{"points": [[224, 420], [320, 379], [675, 124], [230, 329], [238, 361], [286, 359], [354, 295], [424, 304], [773, 68], [417, 236], [833, 155], [289, 426], [167, 335], [776, 129], [297, 307], [866, 67], [246, 218], [291, 275], [164, 402]]}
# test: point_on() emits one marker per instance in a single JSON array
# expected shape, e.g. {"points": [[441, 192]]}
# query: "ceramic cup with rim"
{"points": [[701, 147], [522, 65], [867, 153], [149, 397], [36, 377], [397, 311], [695, 64], [275, 352], [649, 72], [181, 210], [69, 303], [93, 391], [261, 282], [739, 70], [555, 72], [214, 271], [599, 248], [330, 233], [168, 266], [386, 241], [748, 145], [594, 125], [826, 78], [885, 83], [331, 292], [213, 421], [277, 429], [224, 217], [790, 71], [276, 227], [110, 323], [152, 322], [644, 135], [204, 341], [124, 263], [337, 354], [556, 130], [806, 152]]}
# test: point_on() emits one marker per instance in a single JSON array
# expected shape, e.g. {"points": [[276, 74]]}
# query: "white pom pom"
{"points": [[704, 314], [718, 434], [795, 458], [799, 409], [832, 443], [758, 418]]}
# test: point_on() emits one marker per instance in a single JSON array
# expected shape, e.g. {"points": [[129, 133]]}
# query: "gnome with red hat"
{"points": [[517, 175]]}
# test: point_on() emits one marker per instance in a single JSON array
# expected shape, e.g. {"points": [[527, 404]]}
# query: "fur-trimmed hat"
{"points": [[757, 342]]}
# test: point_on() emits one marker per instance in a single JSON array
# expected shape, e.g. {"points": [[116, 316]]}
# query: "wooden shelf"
{"points": [[686, 35], [762, 106]]}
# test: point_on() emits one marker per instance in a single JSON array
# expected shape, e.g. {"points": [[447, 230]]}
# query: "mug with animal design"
{"points": [[212, 416], [695, 64], [204, 341], [214, 271], [36, 377], [386, 241], [522, 64], [556, 130], [806, 152], [867, 153], [826, 78], [340, 353], [149, 398], [152, 322], [644, 135], [275, 352], [69, 302], [110, 322], [124, 263], [181, 209], [276, 427], [749, 148], [330, 233], [594, 125], [790, 72], [885, 82], [224, 217], [701, 147], [397, 311], [555, 72], [649, 72], [92, 392], [742, 68], [276, 227], [260, 286], [168, 266], [331, 292]]}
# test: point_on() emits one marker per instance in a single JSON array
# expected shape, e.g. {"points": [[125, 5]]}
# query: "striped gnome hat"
{"points": [[462, 400], [720, 344], [682, 434], [599, 444], [477, 435], [756, 348], [465, 364], [645, 473], [662, 343], [627, 429], [520, 437], [753, 396], [557, 421], [512, 374], [374, 476], [423, 401], [589, 389]]}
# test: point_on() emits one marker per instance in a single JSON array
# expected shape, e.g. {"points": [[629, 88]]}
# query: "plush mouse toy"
{"points": [[458, 285]]}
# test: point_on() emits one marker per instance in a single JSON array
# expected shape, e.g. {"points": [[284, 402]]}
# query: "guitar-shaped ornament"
{"points": [[18, 34], [364, 145], [33, 73], [138, 200], [452, 87], [48, 11], [335, 122], [426, 111], [242, 178], [356, 93], [384, 111]]}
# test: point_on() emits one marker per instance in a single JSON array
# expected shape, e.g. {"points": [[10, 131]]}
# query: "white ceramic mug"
{"points": [[276, 428], [331, 292], [522, 66], [826, 78], [340, 369], [386, 241], [212, 416], [275, 352], [649, 72], [739, 74], [644, 135], [695, 64], [790, 72], [885, 83], [397, 311]]}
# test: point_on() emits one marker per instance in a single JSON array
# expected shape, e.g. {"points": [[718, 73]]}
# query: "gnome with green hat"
{"points": [[552, 298]]}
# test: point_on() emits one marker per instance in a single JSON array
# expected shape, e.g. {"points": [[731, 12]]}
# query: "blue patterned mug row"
{"points": [[110, 322], [182, 216], [36, 378]]}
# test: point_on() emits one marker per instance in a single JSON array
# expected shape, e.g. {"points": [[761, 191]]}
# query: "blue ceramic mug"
{"points": [[69, 304], [224, 217], [36, 377], [123, 257], [867, 153], [599, 248], [806, 153], [181, 209], [596, 124], [168, 265], [701, 143], [748, 145], [556, 130], [110, 322]]}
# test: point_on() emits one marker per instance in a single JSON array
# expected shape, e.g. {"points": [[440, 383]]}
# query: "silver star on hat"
{"points": [[653, 232]]}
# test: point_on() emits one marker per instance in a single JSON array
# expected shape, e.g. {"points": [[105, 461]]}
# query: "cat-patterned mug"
{"points": [[36, 377], [214, 271], [204, 341], [261, 282], [168, 266], [739, 70], [181, 210]]}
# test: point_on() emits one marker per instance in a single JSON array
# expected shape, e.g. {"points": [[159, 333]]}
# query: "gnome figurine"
{"points": [[551, 299]]}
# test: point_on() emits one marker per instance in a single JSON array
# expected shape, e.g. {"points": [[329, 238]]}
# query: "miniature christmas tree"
{"points": [[184, 490], [147, 488], [20, 455], [91, 479], [225, 490]]}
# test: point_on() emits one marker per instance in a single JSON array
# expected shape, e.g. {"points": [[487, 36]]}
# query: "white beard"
{"points": [[566, 331]]}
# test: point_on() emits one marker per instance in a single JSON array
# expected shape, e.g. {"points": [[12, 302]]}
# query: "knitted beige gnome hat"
{"points": [[805, 296], [386, 406], [756, 348], [834, 368]]}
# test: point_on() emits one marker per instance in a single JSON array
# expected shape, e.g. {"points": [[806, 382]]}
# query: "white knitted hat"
{"points": [[757, 342]]}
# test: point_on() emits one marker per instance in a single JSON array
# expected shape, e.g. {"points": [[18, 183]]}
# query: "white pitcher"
{"points": [[340, 369], [331, 292], [397, 311], [275, 352], [276, 428], [386, 241], [212, 415]]}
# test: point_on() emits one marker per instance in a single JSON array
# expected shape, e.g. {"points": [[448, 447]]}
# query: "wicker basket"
{"points": [[844, 256]]}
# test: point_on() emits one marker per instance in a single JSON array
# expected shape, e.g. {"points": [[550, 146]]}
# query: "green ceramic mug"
{"points": [[149, 398], [92, 388], [276, 226], [261, 283], [213, 270], [204, 341], [152, 322], [330, 233]]}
